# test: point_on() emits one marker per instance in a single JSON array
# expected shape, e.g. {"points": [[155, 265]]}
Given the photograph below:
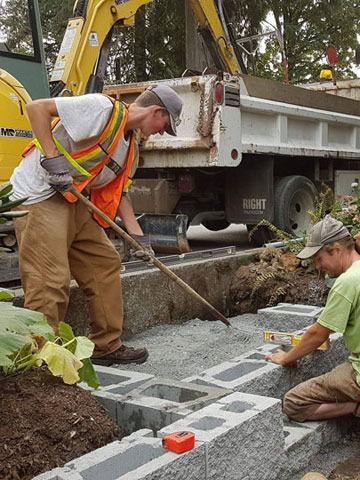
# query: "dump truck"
{"points": [[247, 149]]}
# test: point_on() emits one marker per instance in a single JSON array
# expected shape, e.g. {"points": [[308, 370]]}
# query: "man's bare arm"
{"points": [[126, 213], [311, 340], [40, 114]]}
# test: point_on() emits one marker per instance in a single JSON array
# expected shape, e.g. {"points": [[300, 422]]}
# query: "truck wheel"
{"points": [[294, 196], [216, 225]]}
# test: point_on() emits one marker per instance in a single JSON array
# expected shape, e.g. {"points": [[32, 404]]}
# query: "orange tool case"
{"points": [[179, 442]]}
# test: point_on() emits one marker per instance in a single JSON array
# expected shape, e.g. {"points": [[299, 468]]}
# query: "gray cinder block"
{"points": [[156, 403], [144, 459], [59, 474], [286, 317], [238, 430], [118, 381]]}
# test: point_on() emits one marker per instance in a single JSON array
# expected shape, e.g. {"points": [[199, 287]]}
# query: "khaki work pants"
{"points": [[58, 239], [338, 385]]}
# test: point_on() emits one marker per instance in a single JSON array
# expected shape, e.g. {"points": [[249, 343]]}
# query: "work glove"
{"points": [[148, 254], [57, 173]]}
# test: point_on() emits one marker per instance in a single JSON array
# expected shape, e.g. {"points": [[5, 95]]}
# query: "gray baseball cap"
{"points": [[172, 103], [326, 231]]}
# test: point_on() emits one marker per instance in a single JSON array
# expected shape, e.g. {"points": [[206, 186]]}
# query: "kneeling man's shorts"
{"points": [[337, 386]]}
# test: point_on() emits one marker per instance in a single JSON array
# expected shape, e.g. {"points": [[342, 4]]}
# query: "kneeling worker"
{"points": [[336, 393], [91, 145]]}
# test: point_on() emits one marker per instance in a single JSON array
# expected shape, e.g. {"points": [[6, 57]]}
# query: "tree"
{"points": [[308, 28]]}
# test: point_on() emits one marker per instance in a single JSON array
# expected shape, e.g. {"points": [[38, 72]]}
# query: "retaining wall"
{"points": [[150, 298], [234, 410]]}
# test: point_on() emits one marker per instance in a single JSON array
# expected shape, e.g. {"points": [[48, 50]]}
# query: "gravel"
{"points": [[179, 351]]}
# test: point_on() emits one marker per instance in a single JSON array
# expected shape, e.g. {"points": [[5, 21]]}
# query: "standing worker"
{"points": [[336, 393], [90, 145]]}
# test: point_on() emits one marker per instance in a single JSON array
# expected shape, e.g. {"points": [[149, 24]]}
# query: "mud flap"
{"points": [[168, 232]]}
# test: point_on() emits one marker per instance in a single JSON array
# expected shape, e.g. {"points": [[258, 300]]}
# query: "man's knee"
{"points": [[292, 409]]}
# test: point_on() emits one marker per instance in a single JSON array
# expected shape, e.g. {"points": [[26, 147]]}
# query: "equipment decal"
{"points": [[15, 132]]}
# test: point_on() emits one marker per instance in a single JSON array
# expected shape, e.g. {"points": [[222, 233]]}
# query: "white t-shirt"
{"points": [[82, 121]]}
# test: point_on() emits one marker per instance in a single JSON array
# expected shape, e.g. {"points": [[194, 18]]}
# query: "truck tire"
{"points": [[216, 225], [294, 196]]}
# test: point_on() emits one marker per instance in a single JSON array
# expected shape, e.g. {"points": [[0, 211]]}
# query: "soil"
{"points": [[275, 278], [45, 423]]}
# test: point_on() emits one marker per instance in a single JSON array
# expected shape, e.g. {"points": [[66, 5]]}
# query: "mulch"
{"points": [[45, 423]]}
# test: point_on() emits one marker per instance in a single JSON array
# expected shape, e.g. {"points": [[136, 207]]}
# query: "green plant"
{"points": [[21, 333], [260, 280], [279, 292], [325, 203], [288, 239], [5, 209]]}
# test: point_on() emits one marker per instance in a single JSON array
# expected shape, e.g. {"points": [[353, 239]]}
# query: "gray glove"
{"points": [[58, 176], [148, 254]]}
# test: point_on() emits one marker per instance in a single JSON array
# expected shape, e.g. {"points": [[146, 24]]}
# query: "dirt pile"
{"points": [[45, 424], [276, 277]]}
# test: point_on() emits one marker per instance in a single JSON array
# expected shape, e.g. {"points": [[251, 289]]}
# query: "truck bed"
{"points": [[271, 118]]}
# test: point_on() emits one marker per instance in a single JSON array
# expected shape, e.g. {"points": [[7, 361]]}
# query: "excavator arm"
{"points": [[81, 63], [215, 29]]}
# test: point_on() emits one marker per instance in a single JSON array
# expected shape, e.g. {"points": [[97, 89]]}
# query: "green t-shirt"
{"points": [[342, 312]]}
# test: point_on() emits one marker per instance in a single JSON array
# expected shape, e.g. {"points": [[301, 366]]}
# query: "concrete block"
{"points": [[59, 474], [257, 377], [286, 317], [238, 431], [250, 373], [301, 444], [135, 459], [329, 430], [156, 403], [109, 401], [118, 381]]}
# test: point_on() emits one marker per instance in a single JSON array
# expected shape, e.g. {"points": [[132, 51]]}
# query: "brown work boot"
{"points": [[123, 355]]}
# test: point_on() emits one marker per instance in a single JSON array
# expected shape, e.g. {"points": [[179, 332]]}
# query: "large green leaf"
{"points": [[87, 374], [11, 343], [24, 321], [16, 214], [82, 348], [5, 189], [65, 332], [9, 205], [61, 362], [5, 294]]}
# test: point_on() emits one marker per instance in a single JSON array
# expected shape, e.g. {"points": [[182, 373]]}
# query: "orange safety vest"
{"points": [[89, 162]]}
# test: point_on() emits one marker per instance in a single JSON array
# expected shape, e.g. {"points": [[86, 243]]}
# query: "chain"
{"points": [[205, 126]]}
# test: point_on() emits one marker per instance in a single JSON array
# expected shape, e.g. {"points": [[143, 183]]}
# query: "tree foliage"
{"points": [[155, 47], [308, 28]]}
